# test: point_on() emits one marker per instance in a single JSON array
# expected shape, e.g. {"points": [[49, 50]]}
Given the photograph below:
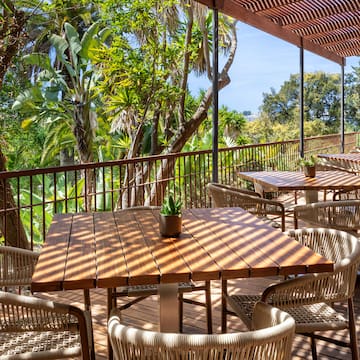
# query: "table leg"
{"points": [[110, 302], [311, 196], [169, 309], [223, 305]]}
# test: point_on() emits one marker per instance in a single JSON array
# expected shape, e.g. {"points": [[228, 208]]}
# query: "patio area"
{"points": [[146, 313]]}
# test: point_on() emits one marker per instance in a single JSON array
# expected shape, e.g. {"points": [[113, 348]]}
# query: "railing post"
{"points": [[215, 74], [342, 113], [301, 103]]}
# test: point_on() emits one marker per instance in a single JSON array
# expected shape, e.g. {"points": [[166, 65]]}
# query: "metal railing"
{"points": [[30, 198]]}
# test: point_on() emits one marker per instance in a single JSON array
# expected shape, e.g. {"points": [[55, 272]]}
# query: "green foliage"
{"points": [[311, 161], [170, 206], [321, 100], [62, 99]]}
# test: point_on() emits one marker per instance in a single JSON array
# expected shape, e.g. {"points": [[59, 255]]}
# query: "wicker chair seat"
{"points": [[151, 289], [308, 318], [57, 344]]}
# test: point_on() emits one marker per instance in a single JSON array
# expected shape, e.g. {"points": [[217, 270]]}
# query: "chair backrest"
{"points": [[225, 196], [271, 340], [338, 246], [232, 188], [341, 215], [347, 195], [16, 266], [26, 314]]}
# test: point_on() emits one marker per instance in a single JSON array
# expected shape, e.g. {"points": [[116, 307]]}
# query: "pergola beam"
{"points": [[231, 8]]}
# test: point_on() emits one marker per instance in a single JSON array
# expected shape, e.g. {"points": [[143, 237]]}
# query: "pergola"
{"points": [[329, 28]]}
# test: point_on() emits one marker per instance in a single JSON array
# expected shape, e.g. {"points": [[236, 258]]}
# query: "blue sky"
{"points": [[263, 62]]}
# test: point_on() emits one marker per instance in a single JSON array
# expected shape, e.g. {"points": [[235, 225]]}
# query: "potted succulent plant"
{"points": [[309, 166], [170, 217]]}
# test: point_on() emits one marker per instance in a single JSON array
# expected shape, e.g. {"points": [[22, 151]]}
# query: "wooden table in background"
{"points": [[346, 162], [295, 180], [110, 249]]}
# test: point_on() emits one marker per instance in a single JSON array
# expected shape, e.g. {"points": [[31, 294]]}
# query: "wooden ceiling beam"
{"points": [[232, 9]]}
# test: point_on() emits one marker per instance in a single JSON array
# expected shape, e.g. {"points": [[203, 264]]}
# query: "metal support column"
{"points": [[215, 100], [342, 107], [301, 103]]}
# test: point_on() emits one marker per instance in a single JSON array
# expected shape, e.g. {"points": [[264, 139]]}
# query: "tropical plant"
{"points": [[64, 99], [310, 161], [146, 70], [170, 206]]}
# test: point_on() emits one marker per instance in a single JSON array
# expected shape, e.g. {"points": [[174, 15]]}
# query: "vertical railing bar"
{"points": [[31, 210], [185, 179], [142, 185], [76, 190], [43, 207], [55, 193], [85, 189], [199, 186], [178, 161], [128, 184], [66, 192], [104, 189], [120, 188], [112, 187], [19, 210], [93, 191]]}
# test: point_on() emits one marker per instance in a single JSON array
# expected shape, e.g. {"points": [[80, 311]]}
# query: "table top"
{"points": [[348, 162], [295, 180], [348, 157], [108, 249]]}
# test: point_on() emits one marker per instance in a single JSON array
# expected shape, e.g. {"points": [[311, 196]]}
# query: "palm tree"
{"points": [[157, 96], [12, 25]]}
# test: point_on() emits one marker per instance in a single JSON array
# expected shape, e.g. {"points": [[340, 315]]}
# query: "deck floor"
{"points": [[145, 315]]}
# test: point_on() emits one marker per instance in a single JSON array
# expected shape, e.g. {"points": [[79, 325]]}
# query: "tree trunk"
{"points": [[10, 223], [11, 33]]}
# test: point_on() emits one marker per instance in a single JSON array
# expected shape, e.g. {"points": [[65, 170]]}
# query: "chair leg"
{"points": [[352, 331], [223, 305], [313, 347], [181, 311], [208, 306]]}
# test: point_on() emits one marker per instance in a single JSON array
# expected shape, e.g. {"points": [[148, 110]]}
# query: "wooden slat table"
{"points": [[346, 162], [295, 180], [109, 249]]}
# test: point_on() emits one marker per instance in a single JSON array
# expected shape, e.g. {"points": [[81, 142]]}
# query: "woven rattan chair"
{"points": [[16, 267], [307, 298], [271, 339], [225, 196], [141, 292], [341, 215], [347, 195], [32, 328]]}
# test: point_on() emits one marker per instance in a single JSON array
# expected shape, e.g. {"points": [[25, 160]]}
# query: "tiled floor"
{"points": [[145, 315]]}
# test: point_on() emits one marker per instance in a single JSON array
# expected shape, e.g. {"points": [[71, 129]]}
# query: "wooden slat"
{"points": [[140, 263], [295, 180], [202, 266], [80, 269], [111, 266], [211, 235], [171, 265], [49, 271]]}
